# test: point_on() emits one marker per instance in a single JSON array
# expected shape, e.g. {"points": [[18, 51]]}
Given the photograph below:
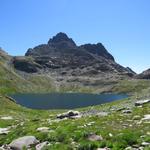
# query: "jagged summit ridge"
{"points": [[62, 57], [62, 43], [61, 37], [97, 49]]}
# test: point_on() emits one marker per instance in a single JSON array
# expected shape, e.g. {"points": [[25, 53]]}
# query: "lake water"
{"points": [[64, 100]]}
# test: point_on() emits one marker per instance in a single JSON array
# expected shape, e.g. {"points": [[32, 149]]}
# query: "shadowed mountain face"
{"points": [[144, 75], [62, 57]]}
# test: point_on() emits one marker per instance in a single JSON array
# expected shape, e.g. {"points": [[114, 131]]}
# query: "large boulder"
{"points": [[141, 102], [23, 142], [70, 114]]}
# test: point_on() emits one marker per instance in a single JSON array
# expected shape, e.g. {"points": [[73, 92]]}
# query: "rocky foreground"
{"points": [[114, 126]]}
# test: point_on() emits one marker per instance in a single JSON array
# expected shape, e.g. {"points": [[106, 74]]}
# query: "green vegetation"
{"points": [[131, 86], [117, 129]]}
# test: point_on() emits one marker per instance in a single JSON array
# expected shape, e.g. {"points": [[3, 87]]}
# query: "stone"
{"points": [[141, 148], [127, 111], [141, 102], [146, 117], [110, 134], [43, 129], [22, 142], [42, 145], [136, 117], [145, 144], [128, 148], [102, 114], [103, 148], [94, 137], [7, 118], [90, 123], [148, 133], [5, 147], [70, 114], [4, 131]]}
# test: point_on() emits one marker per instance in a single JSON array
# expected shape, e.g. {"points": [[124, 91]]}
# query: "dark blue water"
{"points": [[64, 100]]}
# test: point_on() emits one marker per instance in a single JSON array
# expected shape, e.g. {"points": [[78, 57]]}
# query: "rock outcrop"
{"points": [[26, 64], [144, 75], [23, 142]]}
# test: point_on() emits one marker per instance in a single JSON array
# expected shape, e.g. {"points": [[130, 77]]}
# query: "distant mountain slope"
{"points": [[11, 81], [144, 75], [62, 57]]}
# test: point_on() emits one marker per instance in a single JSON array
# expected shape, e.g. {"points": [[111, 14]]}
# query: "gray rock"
{"points": [[136, 117], [127, 111], [141, 148], [43, 129], [141, 102], [94, 137], [103, 148], [146, 117], [128, 148], [121, 109], [90, 123], [22, 142], [70, 114], [6, 118], [42, 145], [4, 130], [5, 147], [145, 144], [103, 114]]}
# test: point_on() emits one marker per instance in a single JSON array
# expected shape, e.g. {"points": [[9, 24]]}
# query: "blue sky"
{"points": [[123, 26]]}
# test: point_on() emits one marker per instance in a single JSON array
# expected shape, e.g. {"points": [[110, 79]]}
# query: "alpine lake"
{"points": [[64, 100]]}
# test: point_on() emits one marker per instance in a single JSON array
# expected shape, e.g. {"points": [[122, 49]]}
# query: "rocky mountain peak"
{"points": [[61, 56], [61, 40], [59, 37]]}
